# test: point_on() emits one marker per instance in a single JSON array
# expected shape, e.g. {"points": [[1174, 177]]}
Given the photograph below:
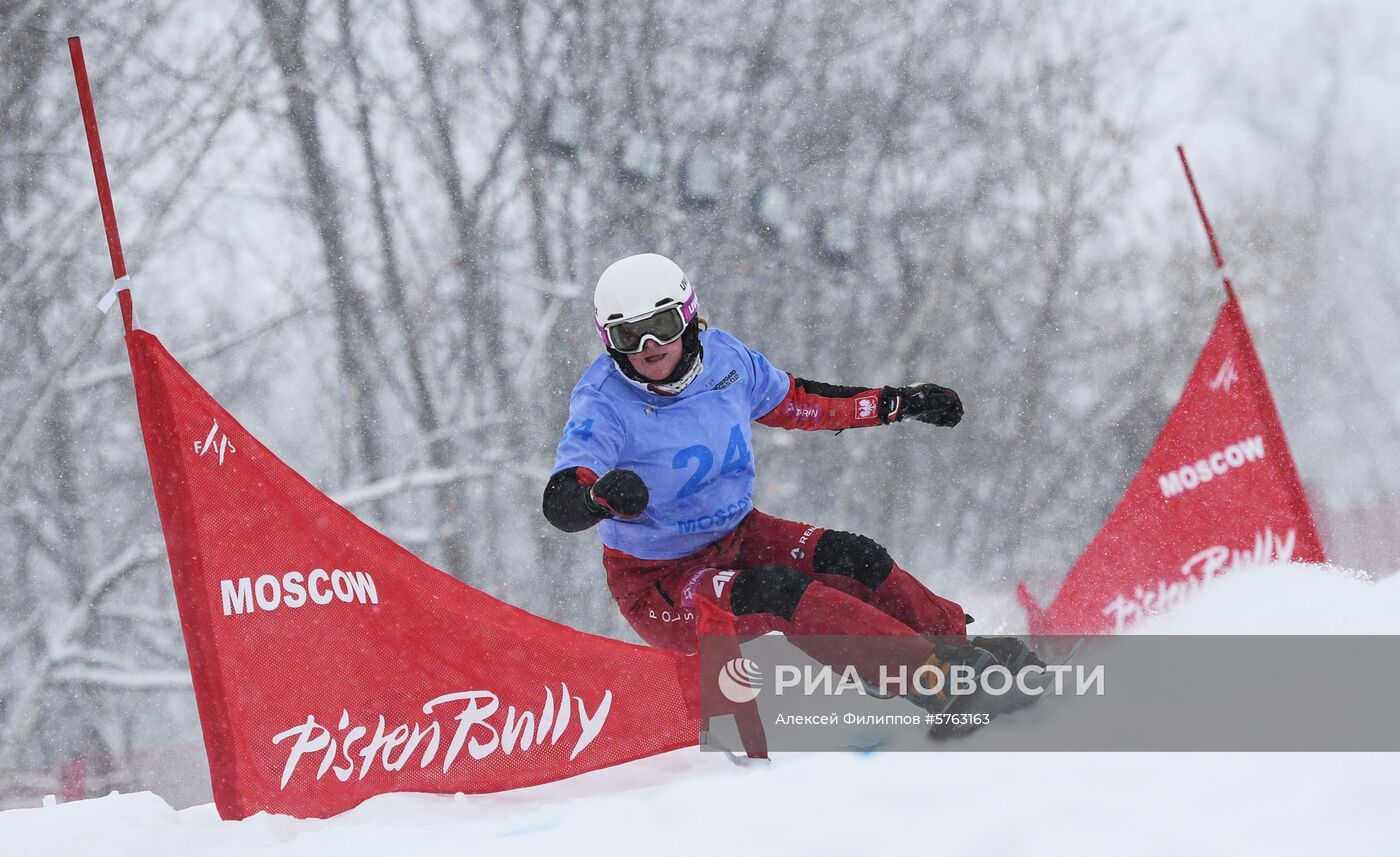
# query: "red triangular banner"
{"points": [[330, 664], [1218, 489]]}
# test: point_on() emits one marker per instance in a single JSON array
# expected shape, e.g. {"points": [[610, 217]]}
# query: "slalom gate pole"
{"points": [[1210, 233], [121, 288]]}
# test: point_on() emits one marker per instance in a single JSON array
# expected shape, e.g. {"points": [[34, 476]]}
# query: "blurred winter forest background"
{"points": [[371, 229]]}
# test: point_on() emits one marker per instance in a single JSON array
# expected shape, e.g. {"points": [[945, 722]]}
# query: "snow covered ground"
{"points": [[689, 802]]}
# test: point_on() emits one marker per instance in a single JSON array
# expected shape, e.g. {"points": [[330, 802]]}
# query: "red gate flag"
{"points": [[1218, 489], [330, 664], [716, 626]]}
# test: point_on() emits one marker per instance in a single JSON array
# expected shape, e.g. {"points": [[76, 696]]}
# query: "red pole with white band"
{"points": [[121, 288], [1210, 233]]}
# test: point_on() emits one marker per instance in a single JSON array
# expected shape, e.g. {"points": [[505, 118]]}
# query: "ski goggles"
{"points": [[662, 327]]}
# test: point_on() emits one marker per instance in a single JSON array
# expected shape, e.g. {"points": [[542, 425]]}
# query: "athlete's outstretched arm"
{"points": [[575, 498], [814, 405]]}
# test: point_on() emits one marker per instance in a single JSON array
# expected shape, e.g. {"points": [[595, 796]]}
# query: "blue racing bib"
{"points": [[692, 450]]}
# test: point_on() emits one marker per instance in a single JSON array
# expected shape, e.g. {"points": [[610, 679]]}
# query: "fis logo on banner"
{"points": [[1225, 377], [214, 442]]}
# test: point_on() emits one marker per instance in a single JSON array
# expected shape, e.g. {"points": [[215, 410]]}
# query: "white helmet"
{"points": [[638, 288]]}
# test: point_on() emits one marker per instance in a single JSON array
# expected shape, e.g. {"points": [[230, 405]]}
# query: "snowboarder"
{"points": [[657, 454]]}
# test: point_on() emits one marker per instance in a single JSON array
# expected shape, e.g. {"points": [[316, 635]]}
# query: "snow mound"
{"points": [[688, 802], [1285, 598]]}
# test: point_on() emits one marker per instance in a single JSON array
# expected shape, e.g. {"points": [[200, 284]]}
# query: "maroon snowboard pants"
{"points": [[658, 596]]}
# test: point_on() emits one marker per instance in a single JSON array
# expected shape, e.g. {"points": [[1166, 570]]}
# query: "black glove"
{"points": [[618, 493], [927, 403]]}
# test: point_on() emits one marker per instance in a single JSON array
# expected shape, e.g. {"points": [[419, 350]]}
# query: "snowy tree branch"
{"points": [[122, 679], [190, 356]]}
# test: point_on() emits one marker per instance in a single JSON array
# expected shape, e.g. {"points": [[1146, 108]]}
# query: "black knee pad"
{"points": [[858, 557], [768, 589]]}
